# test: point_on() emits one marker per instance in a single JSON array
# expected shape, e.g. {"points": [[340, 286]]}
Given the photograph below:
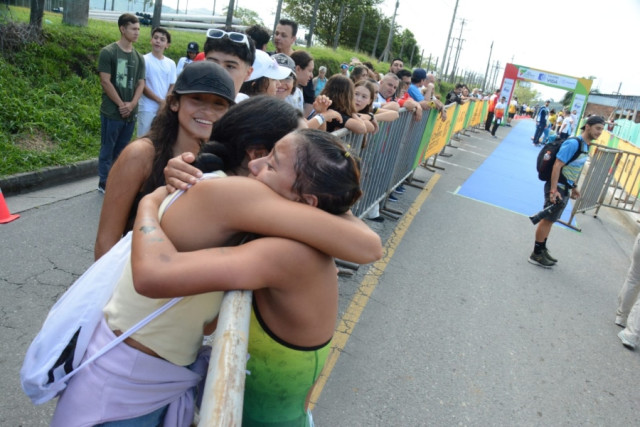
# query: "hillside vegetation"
{"points": [[50, 90]]}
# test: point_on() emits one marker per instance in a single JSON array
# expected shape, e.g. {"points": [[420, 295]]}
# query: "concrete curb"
{"points": [[48, 177]]}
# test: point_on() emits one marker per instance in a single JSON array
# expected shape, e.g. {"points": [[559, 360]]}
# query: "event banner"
{"points": [[628, 170], [436, 134], [580, 87], [479, 113], [627, 175], [467, 119], [460, 117]]}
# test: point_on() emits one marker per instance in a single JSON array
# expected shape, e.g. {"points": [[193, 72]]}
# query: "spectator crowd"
{"points": [[237, 108]]}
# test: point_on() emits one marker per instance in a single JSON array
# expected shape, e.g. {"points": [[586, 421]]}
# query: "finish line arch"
{"points": [[579, 86]]}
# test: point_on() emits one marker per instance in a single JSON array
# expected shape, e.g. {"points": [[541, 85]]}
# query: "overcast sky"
{"points": [[569, 37]]}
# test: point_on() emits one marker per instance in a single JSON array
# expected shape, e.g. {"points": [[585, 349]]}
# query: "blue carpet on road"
{"points": [[508, 178]]}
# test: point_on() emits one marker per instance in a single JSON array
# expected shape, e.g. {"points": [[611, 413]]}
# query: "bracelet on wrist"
{"points": [[320, 119]]}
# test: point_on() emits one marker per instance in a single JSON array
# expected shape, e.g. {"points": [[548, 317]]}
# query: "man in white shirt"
{"points": [[160, 78]]}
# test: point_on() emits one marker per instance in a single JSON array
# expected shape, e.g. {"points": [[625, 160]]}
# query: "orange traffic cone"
{"points": [[5, 215]]}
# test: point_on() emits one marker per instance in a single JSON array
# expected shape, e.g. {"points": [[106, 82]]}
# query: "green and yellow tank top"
{"points": [[279, 377]]}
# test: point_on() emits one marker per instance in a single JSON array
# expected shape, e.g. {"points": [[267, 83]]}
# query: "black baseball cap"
{"points": [[193, 47], [594, 120], [206, 77]]}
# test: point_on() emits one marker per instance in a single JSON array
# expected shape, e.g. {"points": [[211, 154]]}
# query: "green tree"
{"points": [[402, 46], [327, 20], [76, 12], [525, 94], [247, 16], [35, 16], [566, 99]]}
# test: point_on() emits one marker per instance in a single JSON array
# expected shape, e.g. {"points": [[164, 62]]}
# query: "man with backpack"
{"points": [[541, 122], [560, 165]]}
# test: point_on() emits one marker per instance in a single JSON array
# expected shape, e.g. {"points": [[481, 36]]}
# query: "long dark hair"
{"points": [[326, 169], [258, 121], [340, 90], [163, 135]]}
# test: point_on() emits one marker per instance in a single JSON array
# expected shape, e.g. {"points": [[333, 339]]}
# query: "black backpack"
{"points": [[547, 157]]}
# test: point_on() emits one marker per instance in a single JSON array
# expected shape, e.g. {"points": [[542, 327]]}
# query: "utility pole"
{"points": [[412, 52], [492, 73], [375, 43], [446, 47], [429, 63], [486, 73], [387, 49], [495, 77], [457, 55], [313, 23], [455, 62], [435, 67], [401, 48], [178, 7], [228, 24], [359, 31], [157, 11], [451, 76], [335, 41], [278, 10], [448, 61]]}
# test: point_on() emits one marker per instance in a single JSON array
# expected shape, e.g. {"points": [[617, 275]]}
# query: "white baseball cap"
{"points": [[266, 66]]}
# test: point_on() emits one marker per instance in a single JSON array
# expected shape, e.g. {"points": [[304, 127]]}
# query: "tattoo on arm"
{"points": [[146, 229]]}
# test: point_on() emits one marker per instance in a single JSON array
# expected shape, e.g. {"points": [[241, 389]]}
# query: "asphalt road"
{"points": [[453, 326]]}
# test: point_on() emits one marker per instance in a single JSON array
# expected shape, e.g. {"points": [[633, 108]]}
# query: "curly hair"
{"points": [[326, 169]]}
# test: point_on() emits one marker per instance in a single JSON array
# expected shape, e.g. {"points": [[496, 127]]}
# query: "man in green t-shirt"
{"points": [[122, 75]]}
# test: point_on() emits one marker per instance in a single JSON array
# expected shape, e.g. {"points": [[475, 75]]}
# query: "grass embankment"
{"points": [[50, 92]]}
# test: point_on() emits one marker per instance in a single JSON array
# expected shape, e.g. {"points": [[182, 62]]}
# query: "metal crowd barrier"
{"points": [[388, 158], [612, 180], [224, 388]]}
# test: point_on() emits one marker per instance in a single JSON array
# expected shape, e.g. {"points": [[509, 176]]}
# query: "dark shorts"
{"points": [[564, 193], [512, 115]]}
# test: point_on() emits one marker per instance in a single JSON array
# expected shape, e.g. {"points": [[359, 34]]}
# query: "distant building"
{"points": [[624, 106]]}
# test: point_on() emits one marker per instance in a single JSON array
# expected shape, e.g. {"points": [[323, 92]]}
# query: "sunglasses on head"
{"points": [[214, 33]]}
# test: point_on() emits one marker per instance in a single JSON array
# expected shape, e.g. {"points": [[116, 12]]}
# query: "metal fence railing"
{"points": [[388, 158], [612, 180]]}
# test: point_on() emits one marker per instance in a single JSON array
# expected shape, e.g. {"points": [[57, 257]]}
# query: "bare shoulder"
{"points": [[232, 186], [285, 258], [139, 148], [135, 161]]}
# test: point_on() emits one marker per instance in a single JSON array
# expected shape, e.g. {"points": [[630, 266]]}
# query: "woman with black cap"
{"points": [[202, 94]]}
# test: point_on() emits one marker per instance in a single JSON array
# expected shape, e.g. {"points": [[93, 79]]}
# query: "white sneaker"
{"points": [[625, 340], [620, 321]]}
